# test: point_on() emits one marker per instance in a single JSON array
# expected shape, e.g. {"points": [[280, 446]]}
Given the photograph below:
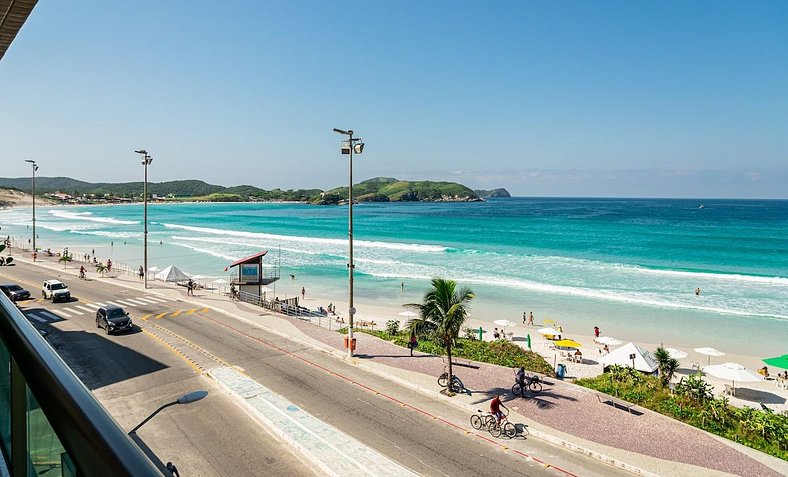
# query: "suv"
{"points": [[113, 318], [15, 292], [56, 290]]}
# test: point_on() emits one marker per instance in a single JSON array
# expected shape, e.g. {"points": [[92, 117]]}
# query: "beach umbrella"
{"points": [[220, 280], [568, 343], [408, 313], [676, 353], [154, 269], [198, 277], [708, 351], [732, 372], [504, 323], [548, 331], [779, 361], [607, 340]]}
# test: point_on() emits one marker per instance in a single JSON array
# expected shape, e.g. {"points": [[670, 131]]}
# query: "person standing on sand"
{"points": [[596, 332], [531, 318], [525, 317], [303, 293]]}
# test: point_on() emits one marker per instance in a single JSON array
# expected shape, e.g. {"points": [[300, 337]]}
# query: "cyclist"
{"points": [[495, 409], [82, 272], [520, 376]]}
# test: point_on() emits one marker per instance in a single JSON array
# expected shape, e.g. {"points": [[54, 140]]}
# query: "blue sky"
{"points": [[657, 99]]}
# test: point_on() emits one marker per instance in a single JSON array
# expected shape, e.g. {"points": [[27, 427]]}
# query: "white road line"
{"points": [[100, 304], [51, 315], [112, 303], [84, 308], [137, 301], [125, 303], [71, 310], [64, 313], [37, 318], [156, 299], [147, 301]]}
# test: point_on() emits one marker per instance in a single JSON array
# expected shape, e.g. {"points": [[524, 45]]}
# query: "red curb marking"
{"points": [[390, 398]]}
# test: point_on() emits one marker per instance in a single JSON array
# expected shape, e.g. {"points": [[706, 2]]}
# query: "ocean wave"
{"points": [[410, 247], [64, 214], [207, 251], [104, 233]]}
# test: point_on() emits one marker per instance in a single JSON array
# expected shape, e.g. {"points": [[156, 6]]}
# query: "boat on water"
{"points": [[702, 206]]}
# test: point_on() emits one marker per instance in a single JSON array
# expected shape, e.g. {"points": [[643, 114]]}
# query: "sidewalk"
{"points": [[564, 414]]}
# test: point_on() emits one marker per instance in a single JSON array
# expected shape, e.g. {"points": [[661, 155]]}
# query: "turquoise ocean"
{"points": [[630, 266]]}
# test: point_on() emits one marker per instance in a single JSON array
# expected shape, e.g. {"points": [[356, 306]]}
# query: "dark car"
{"points": [[15, 292], [113, 319]]}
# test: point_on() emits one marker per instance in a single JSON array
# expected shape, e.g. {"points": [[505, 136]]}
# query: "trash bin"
{"points": [[560, 371], [353, 343]]}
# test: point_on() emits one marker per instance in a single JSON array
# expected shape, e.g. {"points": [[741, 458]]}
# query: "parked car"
{"points": [[15, 292], [56, 290], [113, 319]]}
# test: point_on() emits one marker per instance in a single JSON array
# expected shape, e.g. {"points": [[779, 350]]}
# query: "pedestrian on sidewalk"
{"points": [[414, 343], [172, 469], [141, 272], [190, 287]]}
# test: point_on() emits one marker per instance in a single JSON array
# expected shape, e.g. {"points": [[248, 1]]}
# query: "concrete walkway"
{"points": [[564, 414]]}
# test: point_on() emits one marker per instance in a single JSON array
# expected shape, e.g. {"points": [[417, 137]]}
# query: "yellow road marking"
{"points": [[145, 317], [177, 313], [205, 310], [191, 311], [191, 363], [161, 315]]}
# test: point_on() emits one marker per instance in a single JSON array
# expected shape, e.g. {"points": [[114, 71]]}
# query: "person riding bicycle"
{"points": [[495, 409], [82, 271]]}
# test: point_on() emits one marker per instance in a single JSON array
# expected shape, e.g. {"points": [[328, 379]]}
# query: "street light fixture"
{"points": [[146, 160], [35, 168], [189, 398], [349, 147]]}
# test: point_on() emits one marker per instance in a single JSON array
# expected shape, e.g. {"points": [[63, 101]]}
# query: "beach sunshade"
{"points": [[154, 269], [779, 361], [220, 280], [548, 331], [676, 353], [408, 313], [198, 277], [644, 360], [710, 352], [503, 323], [172, 274], [607, 340], [732, 372], [568, 344]]}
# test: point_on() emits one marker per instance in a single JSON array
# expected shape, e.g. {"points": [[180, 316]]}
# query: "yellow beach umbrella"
{"points": [[568, 344]]}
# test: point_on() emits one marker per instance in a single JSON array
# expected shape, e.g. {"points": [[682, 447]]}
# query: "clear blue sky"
{"points": [[671, 99]]}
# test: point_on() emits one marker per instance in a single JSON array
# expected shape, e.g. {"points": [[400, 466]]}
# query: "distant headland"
{"points": [[379, 189]]}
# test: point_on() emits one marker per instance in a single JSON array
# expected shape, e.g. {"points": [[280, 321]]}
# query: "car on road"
{"points": [[15, 292], [113, 319], [56, 290]]}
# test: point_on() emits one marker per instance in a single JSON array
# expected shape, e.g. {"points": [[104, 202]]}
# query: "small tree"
{"points": [[65, 259], [101, 268], [442, 314], [667, 366]]}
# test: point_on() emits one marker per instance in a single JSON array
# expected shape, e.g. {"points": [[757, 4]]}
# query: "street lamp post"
{"points": [[146, 160], [35, 168], [348, 147], [189, 398]]}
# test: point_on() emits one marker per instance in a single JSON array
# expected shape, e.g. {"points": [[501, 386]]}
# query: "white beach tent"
{"points": [[644, 360], [171, 274]]}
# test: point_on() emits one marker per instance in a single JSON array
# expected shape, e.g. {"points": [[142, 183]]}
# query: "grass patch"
{"points": [[693, 404], [502, 353]]}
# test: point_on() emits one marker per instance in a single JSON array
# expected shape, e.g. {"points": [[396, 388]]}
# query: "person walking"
{"points": [[172, 469], [190, 287], [141, 272], [303, 293], [531, 318], [414, 343], [596, 332], [525, 318]]}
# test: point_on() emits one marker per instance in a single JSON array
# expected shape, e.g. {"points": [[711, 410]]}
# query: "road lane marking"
{"points": [[161, 315], [112, 303], [191, 311], [64, 313], [156, 299], [100, 304], [71, 310], [51, 315], [37, 318], [84, 308], [137, 301], [145, 317], [147, 300], [125, 303], [177, 313]]}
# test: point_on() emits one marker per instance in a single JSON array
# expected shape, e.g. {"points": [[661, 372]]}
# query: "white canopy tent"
{"points": [[644, 360], [171, 274]]}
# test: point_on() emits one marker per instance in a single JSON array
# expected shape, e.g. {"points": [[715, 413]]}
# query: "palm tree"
{"points": [[442, 314], [65, 259], [101, 268], [667, 365]]}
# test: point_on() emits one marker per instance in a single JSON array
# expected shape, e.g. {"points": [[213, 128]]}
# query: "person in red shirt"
{"points": [[495, 409]]}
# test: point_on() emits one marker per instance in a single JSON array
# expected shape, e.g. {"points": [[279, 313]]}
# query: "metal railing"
{"points": [[94, 442]]}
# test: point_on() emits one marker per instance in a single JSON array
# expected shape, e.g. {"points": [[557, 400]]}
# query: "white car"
{"points": [[56, 290]]}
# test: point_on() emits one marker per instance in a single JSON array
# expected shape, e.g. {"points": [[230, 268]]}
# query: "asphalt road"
{"points": [[132, 374]]}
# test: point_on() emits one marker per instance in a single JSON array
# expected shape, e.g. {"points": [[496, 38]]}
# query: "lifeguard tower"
{"points": [[253, 275]]}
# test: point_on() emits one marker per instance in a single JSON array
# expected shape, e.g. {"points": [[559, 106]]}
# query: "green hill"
{"points": [[387, 189]]}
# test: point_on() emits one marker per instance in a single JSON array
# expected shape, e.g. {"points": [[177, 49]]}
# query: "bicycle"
{"points": [[457, 385], [532, 383], [482, 420], [502, 426]]}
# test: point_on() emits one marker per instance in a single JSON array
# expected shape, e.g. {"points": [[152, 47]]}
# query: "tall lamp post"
{"points": [[189, 398], [349, 147], [35, 168], [146, 160]]}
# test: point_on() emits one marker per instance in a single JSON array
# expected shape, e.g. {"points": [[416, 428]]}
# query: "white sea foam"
{"points": [[64, 214], [207, 251], [410, 247], [104, 233]]}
